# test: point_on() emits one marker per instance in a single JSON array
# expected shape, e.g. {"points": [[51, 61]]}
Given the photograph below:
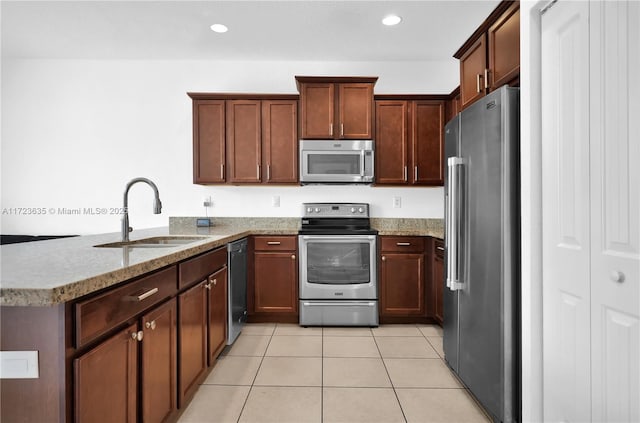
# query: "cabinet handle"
{"points": [[478, 77], [331, 129], [151, 325], [405, 173], [273, 242], [415, 173], [342, 129], [222, 171], [268, 172], [143, 296], [440, 248], [293, 256], [486, 79], [137, 336], [258, 171], [384, 258], [403, 244]]}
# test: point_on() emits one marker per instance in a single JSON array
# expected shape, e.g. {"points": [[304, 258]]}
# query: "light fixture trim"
{"points": [[391, 20], [219, 28]]}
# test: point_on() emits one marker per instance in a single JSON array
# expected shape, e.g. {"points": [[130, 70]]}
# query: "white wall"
{"points": [[75, 131]]}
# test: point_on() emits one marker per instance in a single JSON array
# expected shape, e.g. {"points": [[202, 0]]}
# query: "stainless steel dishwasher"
{"points": [[237, 288]]}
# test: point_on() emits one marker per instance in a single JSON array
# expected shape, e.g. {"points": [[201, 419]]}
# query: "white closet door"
{"points": [[615, 192], [565, 212]]}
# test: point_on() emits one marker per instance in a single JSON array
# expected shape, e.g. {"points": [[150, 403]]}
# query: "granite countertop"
{"points": [[51, 272]]}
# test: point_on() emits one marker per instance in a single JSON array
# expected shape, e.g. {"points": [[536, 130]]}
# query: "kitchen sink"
{"points": [[154, 242]]}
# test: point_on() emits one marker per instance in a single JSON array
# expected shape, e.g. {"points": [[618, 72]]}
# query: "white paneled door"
{"points": [[590, 193]]}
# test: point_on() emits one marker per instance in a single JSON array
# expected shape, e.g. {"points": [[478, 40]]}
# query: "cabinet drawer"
{"points": [[198, 268], [275, 243], [403, 244], [98, 315]]}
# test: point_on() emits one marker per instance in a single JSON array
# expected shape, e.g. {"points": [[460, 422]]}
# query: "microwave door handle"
{"points": [[361, 163]]}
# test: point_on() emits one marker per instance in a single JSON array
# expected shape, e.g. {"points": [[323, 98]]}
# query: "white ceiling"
{"points": [[258, 30]]}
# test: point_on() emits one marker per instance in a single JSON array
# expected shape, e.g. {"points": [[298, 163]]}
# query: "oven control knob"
{"points": [[361, 210], [317, 210], [353, 209], [309, 209]]}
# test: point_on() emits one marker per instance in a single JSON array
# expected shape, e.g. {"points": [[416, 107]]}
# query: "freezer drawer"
{"points": [[338, 313]]}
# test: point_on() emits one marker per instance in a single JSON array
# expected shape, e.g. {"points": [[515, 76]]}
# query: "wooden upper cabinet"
{"points": [[244, 141], [392, 142], [427, 123], [504, 48], [355, 111], [490, 58], [208, 141], [317, 110], [280, 141], [336, 107], [409, 141], [473, 64]]}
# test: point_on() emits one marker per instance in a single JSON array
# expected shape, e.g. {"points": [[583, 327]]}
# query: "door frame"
{"points": [[531, 210]]}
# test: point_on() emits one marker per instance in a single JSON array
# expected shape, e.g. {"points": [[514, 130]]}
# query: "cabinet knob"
{"points": [[384, 258], [617, 276], [208, 286], [215, 282], [137, 336], [293, 256], [151, 325]]}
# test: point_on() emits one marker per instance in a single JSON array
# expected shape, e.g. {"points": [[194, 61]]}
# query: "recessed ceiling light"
{"points": [[219, 28], [391, 20]]}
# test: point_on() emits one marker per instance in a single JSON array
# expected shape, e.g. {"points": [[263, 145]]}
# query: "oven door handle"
{"points": [[339, 303], [346, 238]]}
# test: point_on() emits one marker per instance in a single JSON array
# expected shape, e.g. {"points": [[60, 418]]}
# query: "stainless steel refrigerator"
{"points": [[482, 255]]}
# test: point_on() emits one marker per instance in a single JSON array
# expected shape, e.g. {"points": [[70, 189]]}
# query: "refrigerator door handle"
{"points": [[453, 239]]}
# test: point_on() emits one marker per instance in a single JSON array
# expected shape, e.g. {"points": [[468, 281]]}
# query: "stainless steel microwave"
{"points": [[336, 161]]}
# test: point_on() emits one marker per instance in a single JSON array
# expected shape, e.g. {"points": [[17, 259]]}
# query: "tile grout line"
{"points": [[256, 375], [389, 376]]}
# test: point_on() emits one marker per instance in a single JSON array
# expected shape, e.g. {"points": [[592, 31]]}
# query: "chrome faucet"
{"points": [[157, 205]]}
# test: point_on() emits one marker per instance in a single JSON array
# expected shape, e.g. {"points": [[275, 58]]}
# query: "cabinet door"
{"points": [[280, 141], [159, 363], [402, 284], [472, 66], [244, 140], [217, 313], [192, 306], [427, 123], [392, 142], [275, 282], [106, 380], [504, 48], [317, 110], [208, 141], [355, 111]]}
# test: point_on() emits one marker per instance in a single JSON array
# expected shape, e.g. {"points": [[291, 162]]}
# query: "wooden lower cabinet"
{"points": [[106, 380], [402, 277], [273, 282], [193, 340], [217, 312], [159, 385]]}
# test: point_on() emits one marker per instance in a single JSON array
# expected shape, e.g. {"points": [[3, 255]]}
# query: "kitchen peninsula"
{"points": [[68, 301]]}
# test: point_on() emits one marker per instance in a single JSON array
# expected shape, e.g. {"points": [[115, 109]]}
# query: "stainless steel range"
{"points": [[338, 277]]}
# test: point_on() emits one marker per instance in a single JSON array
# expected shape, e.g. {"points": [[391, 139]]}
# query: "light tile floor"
{"points": [[287, 373]]}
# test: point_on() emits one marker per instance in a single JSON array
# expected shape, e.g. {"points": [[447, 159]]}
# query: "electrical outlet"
{"points": [[397, 202], [206, 201]]}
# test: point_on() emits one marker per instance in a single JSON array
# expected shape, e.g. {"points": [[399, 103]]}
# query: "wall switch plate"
{"points": [[19, 365], [275, 201], [397, 202]]}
